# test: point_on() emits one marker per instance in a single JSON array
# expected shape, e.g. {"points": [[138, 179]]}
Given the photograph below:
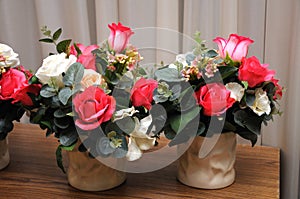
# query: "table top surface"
{"points": [[32, 173]]}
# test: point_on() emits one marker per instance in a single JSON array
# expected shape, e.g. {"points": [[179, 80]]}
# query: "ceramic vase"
{"points": [[213, 171], [4, 153], [88, 174]]}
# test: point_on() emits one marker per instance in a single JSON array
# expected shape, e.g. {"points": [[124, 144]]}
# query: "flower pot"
{"points": [[4, 153], [88, 174], [215, 170]]}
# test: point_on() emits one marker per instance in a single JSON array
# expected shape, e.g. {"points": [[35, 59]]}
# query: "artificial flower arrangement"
{"points": [[96, 94], [15, 89], [238, 90]]}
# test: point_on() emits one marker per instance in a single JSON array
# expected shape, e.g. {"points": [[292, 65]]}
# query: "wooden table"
{"points": [[33, 173]]}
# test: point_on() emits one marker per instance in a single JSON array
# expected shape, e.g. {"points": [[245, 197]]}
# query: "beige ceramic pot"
{"points": [[87, 174], [215, 170], [4, 153]]}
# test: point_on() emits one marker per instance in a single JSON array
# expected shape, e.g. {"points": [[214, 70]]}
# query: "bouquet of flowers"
{"points": [[15, 89], [96, 93], [239, 91]]}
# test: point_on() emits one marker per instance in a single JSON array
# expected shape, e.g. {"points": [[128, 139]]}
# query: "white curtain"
{"points": [[274, 25]]}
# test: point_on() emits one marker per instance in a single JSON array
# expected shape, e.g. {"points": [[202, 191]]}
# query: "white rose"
{"points": [[90, 78], [181, 59], [236, 91], [139, 140], [8, 56], [261, 103], [53, 67], [128, 112]]}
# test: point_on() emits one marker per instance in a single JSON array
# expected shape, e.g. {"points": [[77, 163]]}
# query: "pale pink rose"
{"points": [[119, 37], [236, 46]]}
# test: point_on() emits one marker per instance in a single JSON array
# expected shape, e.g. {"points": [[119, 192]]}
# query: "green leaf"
{"points": [[104, 147], [63, 46], [211, 53], [46, 40], [57, 34], [227, 71], [68, 136], [74, 74], [59, 113], [126, 124], [47, 124], [47, 92], [179, 122], [59, 158], [64, 95], [33, 80], [245, 84], [62, 123], [77, 49], [169, 133], [168, 75], [201, 128], [248, 120]]}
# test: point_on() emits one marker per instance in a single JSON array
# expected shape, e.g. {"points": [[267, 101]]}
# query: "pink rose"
{"points": [[214, 98], [236, 46], [14, 86], [253, 72], [86, 58], [142, 92], [119, 37], [93, 107]]}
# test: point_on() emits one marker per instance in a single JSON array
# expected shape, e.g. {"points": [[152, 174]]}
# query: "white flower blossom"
{"points": [[118, 115], [236, 91], [91, 78], [52, 68], [261, 103], [9, 57], [139, 140]]}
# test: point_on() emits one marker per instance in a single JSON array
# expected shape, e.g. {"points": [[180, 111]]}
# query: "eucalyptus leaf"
{"points": [[47, 91], [64, 95], [62, 123], [74, 74], [59, 113], [127, 125], [211, 53], [168, 75], [68, 137], [104, 147]]}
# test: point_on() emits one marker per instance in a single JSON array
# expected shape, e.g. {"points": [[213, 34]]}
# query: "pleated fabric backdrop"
{"points": [[274, 25]]}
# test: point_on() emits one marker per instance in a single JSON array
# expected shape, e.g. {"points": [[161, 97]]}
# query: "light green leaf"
{"points": [[74, 74], [64, 95]]}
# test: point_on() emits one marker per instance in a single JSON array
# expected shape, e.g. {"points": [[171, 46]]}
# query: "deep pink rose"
{"points": [[14, 86], [253, 72], [278, 92], [86, 58], [236, 46], [214, 98], [142, 92], [119, 37], [93, 107]]}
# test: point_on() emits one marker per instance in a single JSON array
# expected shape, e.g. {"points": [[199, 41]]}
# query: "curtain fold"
{"points": [[274, 25]]}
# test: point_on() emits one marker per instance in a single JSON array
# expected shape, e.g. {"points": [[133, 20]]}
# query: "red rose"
{"points": [[14, 85], [214, 98], [253, 72], [278, 92], [142, 92], [86, 58], [93, 107], [119, 37], [236, 46]]}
